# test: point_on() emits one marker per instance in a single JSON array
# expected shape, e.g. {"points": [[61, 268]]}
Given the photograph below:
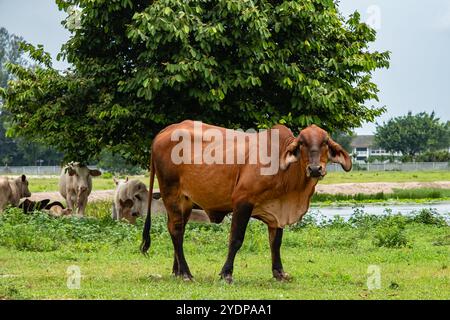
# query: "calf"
{"points": [[12, 190], [244, 187], [130, 200], [75, 185]]}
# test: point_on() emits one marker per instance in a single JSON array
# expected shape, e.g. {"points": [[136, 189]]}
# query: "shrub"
{"points": [[429, 216], [107, 175], [390, 233], [390, 237]]}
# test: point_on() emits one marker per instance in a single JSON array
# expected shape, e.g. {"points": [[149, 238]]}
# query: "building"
{"points": [[364, 146]]}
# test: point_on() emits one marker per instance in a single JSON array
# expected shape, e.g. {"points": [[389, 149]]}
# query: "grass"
{"points": [[398, 195], [328, 260], [386, 176], [100, 183]]}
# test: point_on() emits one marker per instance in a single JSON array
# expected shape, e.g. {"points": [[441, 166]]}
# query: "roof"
{"points": [[363, 141]]}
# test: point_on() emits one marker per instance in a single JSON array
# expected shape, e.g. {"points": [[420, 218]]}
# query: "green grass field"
{"points": [[386, 176], [100, 183], [326, 261]]}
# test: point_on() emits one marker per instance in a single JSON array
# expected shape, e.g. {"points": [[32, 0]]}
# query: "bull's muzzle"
{"points": [[315, 171], [82, 189]]}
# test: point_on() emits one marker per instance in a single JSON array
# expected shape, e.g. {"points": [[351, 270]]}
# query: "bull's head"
{"points": [[315, 148], [126, 211], [81, 174]]}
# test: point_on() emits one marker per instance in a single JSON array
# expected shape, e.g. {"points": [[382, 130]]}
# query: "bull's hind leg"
{"points": [[275, 238], [178, 213], [239, 222]]}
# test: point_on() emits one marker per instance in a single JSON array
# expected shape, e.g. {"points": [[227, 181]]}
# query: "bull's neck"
{"points": [[304, 182]]}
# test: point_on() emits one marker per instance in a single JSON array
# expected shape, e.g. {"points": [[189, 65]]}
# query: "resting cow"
{"points": [[12, 190], [277, 199], [130, 200], [55, 208], [75, 185]]}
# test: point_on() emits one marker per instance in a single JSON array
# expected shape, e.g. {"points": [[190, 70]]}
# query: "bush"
{"points": [[430, 217], [390, 232], [107, 175], [41, 232], [390, 237]]}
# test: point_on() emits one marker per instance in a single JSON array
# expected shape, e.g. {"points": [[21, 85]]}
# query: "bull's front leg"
{"points": [[275, 239], [81, 207], [69, 200], [239, 222]]}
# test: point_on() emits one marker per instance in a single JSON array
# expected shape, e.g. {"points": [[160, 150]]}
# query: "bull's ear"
{"points": [[290, 155], [116, 182], [23, 178], [126, 179], [337, 154], [95, 173]]}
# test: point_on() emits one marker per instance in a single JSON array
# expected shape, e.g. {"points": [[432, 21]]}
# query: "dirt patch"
{"points": [[100, 195]]}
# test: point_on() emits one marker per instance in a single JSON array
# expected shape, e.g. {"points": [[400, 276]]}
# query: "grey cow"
{"points": [[75, 185], [12, 190], [130, 200]]}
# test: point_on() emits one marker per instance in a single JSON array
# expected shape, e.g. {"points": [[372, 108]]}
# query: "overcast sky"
{"points": [[416, 32]]}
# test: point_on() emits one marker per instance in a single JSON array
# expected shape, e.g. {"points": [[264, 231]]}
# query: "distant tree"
{"points": [[413, 134], [17, 151], [116, 164], [9, 52], [140, 65]]}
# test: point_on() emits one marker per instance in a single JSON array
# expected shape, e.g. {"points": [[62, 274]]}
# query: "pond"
{"points": [[442, 208]]}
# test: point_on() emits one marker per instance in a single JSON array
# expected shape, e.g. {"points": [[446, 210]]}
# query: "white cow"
{"points": [[75, 185], [130, 200], [12, 190]]}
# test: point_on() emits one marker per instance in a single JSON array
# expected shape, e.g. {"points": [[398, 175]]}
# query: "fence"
{"points": [[408, 166], [33, 170], [332, 167]]}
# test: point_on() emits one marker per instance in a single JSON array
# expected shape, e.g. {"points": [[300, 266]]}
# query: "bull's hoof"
{"points": [[228, 278], [185, 276], [281, 275]]}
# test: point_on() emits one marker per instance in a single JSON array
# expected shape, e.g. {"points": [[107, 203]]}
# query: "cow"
{"points": [[12, 190], [130, 200], [55, 208], [75, 185], [117, 182], [278, 199]]}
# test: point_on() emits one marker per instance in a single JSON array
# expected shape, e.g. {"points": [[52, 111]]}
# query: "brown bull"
{"points": [[278, 199]]}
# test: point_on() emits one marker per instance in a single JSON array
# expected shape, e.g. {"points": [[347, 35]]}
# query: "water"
{"points": [[442, 208]]}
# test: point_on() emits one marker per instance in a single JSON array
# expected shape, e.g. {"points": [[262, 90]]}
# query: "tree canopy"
{"points": [[413, 134], [141, 65]]}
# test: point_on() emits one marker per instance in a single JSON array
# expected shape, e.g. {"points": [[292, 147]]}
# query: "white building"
{"points": [[364, 146]]}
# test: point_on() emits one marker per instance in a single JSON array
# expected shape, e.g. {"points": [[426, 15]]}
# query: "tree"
{"points": [[17, 151], [9, 52], [117, 165], [413, 134], [141, 65]]}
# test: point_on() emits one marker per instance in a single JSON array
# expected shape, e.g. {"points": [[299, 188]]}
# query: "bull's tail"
{"points": [[145, 245]]}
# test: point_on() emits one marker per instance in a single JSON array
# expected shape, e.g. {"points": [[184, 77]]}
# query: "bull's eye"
{"points": [[138, 197]]}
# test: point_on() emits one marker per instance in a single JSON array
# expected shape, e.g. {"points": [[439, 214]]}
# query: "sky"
{"points": [[416, 32]]}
